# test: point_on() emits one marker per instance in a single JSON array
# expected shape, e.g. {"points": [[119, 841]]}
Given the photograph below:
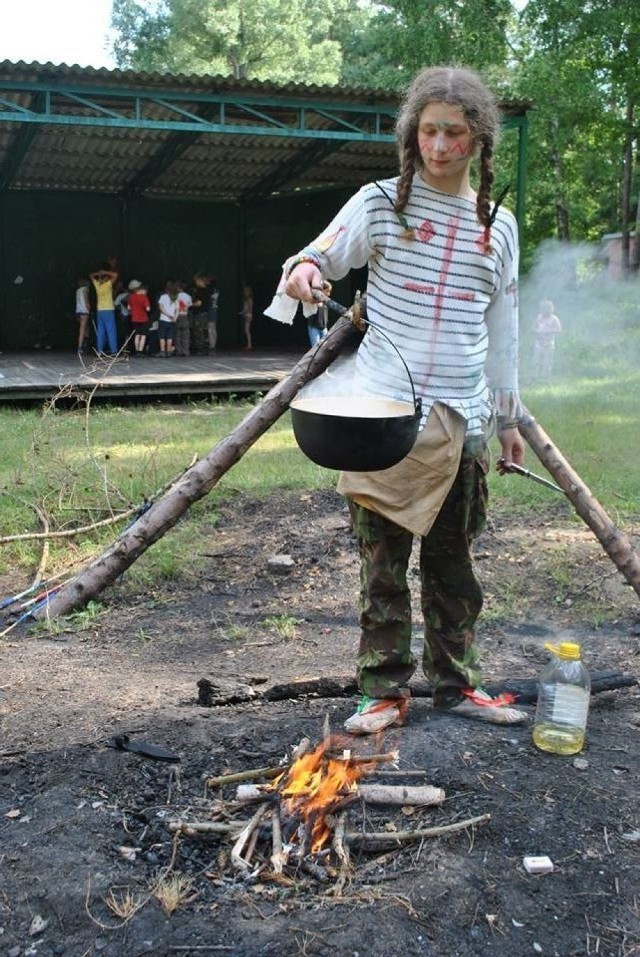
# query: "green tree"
{"points": [[575, 64], [615, 54], [575, 60], [278, 40], [404, 35], [364, 43]]}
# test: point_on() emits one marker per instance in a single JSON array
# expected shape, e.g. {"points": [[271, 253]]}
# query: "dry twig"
{"points": [[376, 838], [189, 828], [112, 520], [236, 853], [44, 558], [223, 779], [279, 855]]}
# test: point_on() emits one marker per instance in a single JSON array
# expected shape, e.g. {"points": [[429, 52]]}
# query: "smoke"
{"points": [[347, 376], [599, 314], [337, 380]]}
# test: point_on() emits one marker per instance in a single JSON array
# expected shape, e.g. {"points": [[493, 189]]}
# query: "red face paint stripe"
{"points": [[462, 149]]}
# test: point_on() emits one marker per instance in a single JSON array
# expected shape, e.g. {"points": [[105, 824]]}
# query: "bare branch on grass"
{"points": [[70, 532]]}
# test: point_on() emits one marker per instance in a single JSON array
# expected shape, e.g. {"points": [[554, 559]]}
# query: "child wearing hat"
{"points": [[139, 307]]}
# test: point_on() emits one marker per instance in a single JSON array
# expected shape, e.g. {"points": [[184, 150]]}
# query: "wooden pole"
{"points": [[198, 480], [615, 543], [204, 475]]}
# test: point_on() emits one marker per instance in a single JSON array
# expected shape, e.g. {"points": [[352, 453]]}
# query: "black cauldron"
{"points": [[355, 433]]}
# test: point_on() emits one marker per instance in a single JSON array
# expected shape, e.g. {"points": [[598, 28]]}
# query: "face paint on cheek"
{"points": [[461, 148]]}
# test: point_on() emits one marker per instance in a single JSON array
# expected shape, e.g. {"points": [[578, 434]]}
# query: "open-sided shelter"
{"points": [[174, 174]]}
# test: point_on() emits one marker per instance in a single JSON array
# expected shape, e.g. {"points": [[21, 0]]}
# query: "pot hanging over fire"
{"points": [[365, 433]]}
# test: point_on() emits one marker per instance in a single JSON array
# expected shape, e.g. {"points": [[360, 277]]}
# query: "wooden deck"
{"points": [[43, 375]]}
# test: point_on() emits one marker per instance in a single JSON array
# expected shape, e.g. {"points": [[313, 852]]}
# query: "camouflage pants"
{"points": [[200, 334], [451, 596], [183, 335]]}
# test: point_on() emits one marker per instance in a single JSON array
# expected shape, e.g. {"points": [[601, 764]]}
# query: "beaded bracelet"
{"points": [[303, 258], [505, 426]]}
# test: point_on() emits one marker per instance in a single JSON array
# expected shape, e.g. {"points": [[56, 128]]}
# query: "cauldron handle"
{"points": [[357, 315]]}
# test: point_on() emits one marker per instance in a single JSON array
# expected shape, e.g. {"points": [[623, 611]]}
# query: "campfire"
{"points": [[302, 809], [313, 788]]}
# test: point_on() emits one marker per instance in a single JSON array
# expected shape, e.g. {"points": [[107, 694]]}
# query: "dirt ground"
{"points": [[69, 804]]}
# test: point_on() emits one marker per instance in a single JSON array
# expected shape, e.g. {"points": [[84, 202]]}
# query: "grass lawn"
{"points": [[73, 468]]}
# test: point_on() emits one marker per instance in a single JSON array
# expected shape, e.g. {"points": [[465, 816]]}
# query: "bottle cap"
{"points": [[566, 650]]}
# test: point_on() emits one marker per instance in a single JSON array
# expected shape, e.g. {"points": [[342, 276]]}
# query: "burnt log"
{"points": [[615, 543], [198, 480], [321, 687], [524, 689]]}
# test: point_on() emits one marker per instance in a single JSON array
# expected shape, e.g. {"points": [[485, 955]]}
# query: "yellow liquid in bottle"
{"points": [[558, 739]]}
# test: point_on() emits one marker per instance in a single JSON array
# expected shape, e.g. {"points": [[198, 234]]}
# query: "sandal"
{"points": [[479, 704]]}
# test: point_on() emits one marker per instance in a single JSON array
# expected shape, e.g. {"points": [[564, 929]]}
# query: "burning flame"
{"points": [[313, 787]]}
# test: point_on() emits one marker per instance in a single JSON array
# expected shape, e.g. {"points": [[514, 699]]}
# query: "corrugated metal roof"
{"points": [[189, 136], [195, 83]]}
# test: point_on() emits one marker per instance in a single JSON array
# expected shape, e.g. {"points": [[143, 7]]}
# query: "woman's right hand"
{"points": [[302, 280]]}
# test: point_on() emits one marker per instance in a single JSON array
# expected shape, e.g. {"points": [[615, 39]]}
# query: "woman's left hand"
{"points": [[512, 447]]}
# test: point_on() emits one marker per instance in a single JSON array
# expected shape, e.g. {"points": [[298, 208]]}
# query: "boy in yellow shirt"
{"points": [[103, 282]]}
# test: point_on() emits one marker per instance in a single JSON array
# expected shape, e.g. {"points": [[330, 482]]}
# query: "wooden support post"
{"points": [[615, 543]]}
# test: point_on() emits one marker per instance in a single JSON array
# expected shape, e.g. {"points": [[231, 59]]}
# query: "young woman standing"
{"points": [[442, 285]]}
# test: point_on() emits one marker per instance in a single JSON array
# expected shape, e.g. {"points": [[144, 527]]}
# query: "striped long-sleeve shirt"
{"points": [[449, 307]]}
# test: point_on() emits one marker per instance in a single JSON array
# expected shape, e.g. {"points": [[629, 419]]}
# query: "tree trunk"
{"points": [[615, 543], [627, 175], [557, 163], [198, 480]]}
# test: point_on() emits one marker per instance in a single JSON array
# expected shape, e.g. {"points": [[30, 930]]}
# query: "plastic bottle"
{"points": [[563, 702]]}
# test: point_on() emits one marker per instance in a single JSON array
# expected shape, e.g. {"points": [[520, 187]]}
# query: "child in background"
{"points": [[139, 307], [123, 314], [318, 323], [83, 310], [104, 281], [183, 322], [212, 321], [200, 291], [247, 316], [169, 307], [546, 328]]}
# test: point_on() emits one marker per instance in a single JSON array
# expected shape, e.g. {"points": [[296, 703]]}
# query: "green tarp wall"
{"points": [[49, 239]]}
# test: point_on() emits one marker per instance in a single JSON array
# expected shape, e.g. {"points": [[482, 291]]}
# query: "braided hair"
{"points": [[456, 87]]}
